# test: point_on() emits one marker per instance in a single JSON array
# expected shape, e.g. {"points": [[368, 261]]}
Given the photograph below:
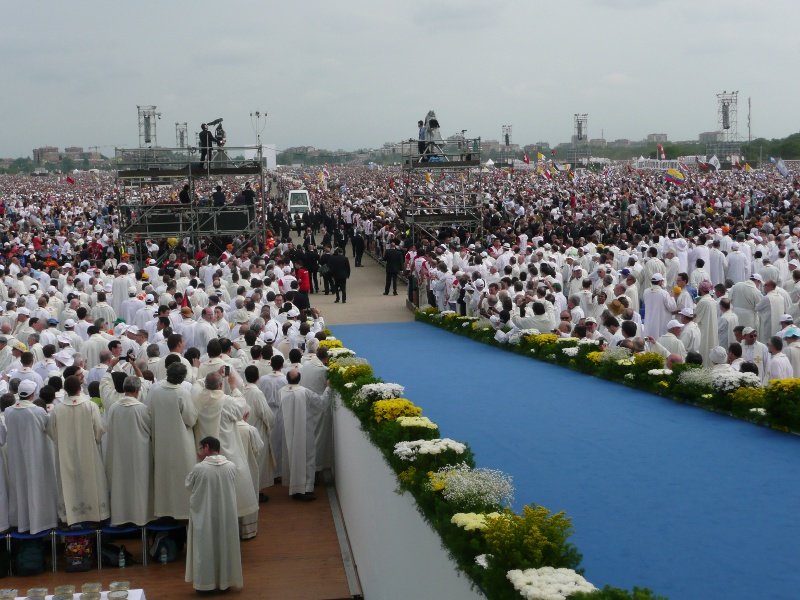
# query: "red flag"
{"points": [[661, 154], [526, 159], [391, 183], [70, 180], [547, 174], [553, 152]]}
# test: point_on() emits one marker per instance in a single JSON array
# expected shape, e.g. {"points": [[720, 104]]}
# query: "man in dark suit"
{"points": [[395, 259], [358, 246], [339, 266]]}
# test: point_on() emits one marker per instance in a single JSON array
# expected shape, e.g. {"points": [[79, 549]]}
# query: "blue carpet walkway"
{"points": [[686, 502]]}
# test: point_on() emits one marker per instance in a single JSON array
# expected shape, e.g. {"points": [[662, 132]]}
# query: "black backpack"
{"points": [[29, 558]]}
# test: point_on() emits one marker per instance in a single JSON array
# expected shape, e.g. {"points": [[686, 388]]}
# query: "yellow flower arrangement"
{"points": [[390, 410], [353, 372], [330, 344], [473, 521], [408, 475], [416, 422], [664, 384], [595, 357], [786, 386], [438, 480], [544, 338], [745, 398], [651, 360]]}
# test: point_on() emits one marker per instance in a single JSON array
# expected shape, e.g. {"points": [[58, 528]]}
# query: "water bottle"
{"points": [[162, 557], [122, 557]]}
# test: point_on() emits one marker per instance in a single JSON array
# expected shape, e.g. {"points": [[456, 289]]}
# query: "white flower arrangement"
{"points": [[759, 411], [615, 354], [350, 385], [472, 521], [564, 340], [338, 353], [465, 487], [625, 362], [548, 583], [572, 351], [550, 357], [588, 342], [659, 372], [409, 451], [482, 560], [416, 422], [699, 377], [732, 380], [377, 391], [629, 377], [444, 313]]}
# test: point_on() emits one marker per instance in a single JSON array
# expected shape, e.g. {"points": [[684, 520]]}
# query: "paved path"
{"points": [[365, 300]]}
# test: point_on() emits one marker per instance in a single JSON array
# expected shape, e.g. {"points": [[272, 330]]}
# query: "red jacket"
{"points": [[303, 280]]}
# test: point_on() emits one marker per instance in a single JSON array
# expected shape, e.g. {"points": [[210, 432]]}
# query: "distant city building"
{"points": [[656, 138], [598, 143], [710, 137], [74, 152], [620, 143], [46, 154]]}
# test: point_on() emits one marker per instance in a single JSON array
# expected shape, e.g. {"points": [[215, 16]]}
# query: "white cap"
{"points": [[26, 388], [69, 323], [687, 312], [673, 324], [23, 310], [757, 277], [657, 277], [787, 319]]}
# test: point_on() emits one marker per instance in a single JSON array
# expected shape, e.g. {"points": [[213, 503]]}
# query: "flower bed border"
{"points": [[464, 547], [715, 401]]}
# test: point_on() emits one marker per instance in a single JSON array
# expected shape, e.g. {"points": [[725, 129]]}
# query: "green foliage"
{"points": [[783, 403], [612, 593]]}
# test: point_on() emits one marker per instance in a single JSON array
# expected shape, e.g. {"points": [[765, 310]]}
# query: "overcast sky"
{"points": [[358, 73]]}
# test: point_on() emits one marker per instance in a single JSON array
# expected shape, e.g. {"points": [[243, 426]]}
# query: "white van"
{"points": [[299, 202]]}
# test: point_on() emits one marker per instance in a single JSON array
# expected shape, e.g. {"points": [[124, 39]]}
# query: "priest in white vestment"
{"points": [[213, 554], [129, 457], [271, 385], [659, 305], [314, 375], [705, 315], [76, 428], [173, 416], [32, 489], [301, 409], [670, 344], [726, 323], [260, 416], [217, 415], [690, 334], [755, 352], [770, 309], [779, 365], [745, 297]]}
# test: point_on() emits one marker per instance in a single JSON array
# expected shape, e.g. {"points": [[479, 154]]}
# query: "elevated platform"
{"points": [[180, 220], [154, 174], [454, 153]]}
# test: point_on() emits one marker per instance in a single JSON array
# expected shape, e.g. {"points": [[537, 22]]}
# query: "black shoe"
{"points": [[262, 498], [336, 301], [344, 301], [385, 293], [307, 497], [395, 294]]}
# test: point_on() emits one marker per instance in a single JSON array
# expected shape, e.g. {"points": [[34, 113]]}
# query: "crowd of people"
{"points": [[113, 375]]}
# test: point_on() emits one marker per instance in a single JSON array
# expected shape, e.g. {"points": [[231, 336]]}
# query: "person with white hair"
{"points": [[718, 361], [738, 264]]}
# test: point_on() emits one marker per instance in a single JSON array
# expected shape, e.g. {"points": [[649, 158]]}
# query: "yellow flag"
{"points": [[539, 156], [747, 167], [427, 178]]}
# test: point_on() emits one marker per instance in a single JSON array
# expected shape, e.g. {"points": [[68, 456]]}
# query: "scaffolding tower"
{"points": [[145, 175], [443, 187], [148, 117], [580, 140]]}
